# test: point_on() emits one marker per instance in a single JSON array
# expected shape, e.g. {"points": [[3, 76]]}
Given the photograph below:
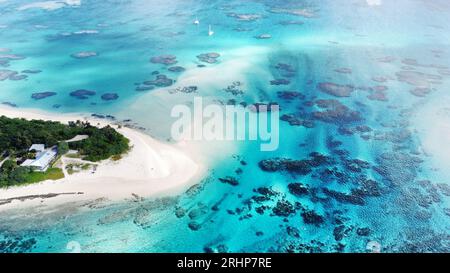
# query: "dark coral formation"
{"points": [[280, 82], [210, 58], [31, 71], [110, 96], [335, 112], [286, 70], [312, 218], [176, 69], [296, 11], [336, 90], [363, 231], [193, 225], [398, 168], [297, 120], [298, 189], [418, 79], [221, 248], [229, 180], [264, 194], [293, 232], [290, 95], [343, 70], [16, 244], [378, 95], [379, 79], [144, 87], [260, 107], [42, 95], [283, 208], [7, 74], [11, 104], [184, 89], [263, 36], [356, 165], [420, 91], [291, 22], [341, 231], [234, 88], [344, 197], [17, 77], [245, 17], [164, 59], [6, 58], [281, 164], [180, 212], [82, 94], [160, 81], [302, 167], [84, 54]]}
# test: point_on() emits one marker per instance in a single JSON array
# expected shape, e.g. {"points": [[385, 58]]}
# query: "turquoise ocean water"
{"points": [[372, 181]]}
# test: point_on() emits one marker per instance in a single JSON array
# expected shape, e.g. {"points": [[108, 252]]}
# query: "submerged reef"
{"points": [[5, 74], [210, 58], [17, 244], [176, 69], [336, 90], [110, 96], [298, 189], [235, 88], [418, 79], [335, 112], [302, 167], [303, 12], [246, 17], [82, 94], [184, 89], [229, 180], [32, 71], [84, 54], [263, 36], [164, 59], [160, 81]]}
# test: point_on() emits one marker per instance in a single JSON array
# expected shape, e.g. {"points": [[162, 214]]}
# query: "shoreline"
{"points": [[150, 169]]}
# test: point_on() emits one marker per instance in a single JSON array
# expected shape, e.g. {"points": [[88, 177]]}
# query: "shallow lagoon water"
{"points": [[383, 51]]}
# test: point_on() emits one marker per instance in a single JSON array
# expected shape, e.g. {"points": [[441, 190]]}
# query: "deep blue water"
{"points": [[379, 175]]}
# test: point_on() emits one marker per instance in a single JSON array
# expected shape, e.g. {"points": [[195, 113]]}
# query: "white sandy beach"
{"points": [[150, 169], [432, 123]]}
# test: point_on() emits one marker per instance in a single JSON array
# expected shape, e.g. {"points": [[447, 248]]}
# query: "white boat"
{"points": [[210, 32], [196, 22]]}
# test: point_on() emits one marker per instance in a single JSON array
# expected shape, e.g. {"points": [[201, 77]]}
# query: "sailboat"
{"points": [[210, 32], [196, 22]]}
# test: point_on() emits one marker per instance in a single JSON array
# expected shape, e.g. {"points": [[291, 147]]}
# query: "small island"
{"points": [[48, 159], [30, 149]]}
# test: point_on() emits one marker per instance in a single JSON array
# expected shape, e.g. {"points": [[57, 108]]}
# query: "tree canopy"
{"points": [[17, 135]]}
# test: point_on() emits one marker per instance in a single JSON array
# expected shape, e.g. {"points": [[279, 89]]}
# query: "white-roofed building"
{"points": [[37, 147], [44, 158]]}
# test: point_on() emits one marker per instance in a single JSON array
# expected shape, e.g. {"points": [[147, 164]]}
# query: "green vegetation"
{"points": [[17, 135], [101, 144], [70, 155], [63, 148], [20, 134], [116, 157], [50, 174], [12, 175]]}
